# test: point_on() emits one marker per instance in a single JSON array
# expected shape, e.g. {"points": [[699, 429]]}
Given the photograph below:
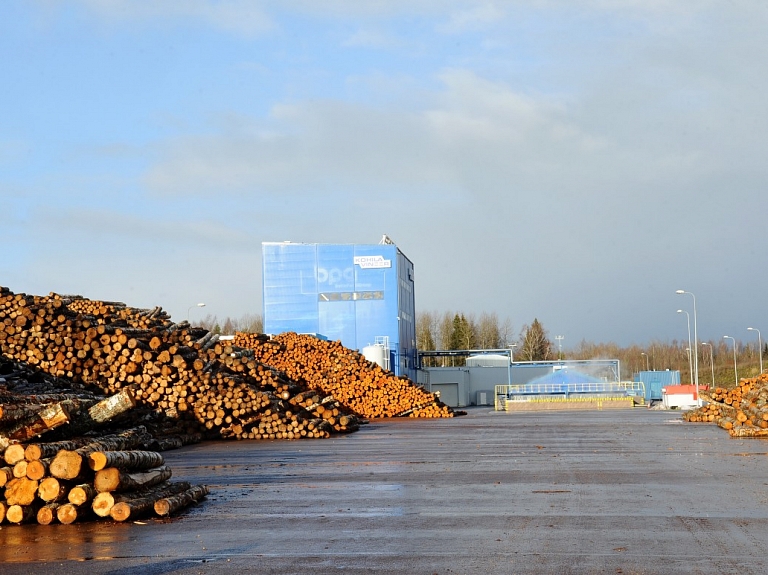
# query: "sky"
{"points": [[573, 162]]}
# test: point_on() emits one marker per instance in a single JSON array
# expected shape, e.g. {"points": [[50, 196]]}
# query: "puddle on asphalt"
{"points": [[346, 514], [26, 543]]}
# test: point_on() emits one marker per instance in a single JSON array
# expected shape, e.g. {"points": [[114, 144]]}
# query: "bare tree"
{"points": [[489, 332], [426, 333], [444, 330]]}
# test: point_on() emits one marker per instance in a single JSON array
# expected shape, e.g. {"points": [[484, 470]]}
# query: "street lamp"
{"points": [[646, 359], [735, 371], [759, 346], [559, 339], [695, 345], [196, 305], [690, 364], [511, 346], [711, 361]]}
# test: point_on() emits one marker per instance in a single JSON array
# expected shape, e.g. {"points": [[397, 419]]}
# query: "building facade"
{"points": [[359, 294]]}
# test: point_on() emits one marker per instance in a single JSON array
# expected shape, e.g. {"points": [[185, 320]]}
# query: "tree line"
{"points": [[459, 331]]}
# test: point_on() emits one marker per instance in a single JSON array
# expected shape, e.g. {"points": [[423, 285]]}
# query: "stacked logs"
{"points": [[184, 373], [83, 478], [328, 367], [742, 411]]}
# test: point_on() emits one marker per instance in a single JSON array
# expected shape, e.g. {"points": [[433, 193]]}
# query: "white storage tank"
{"points": [[377, 354]]}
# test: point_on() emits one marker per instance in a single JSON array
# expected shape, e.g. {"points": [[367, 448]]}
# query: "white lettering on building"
{"points": [[372, 262]]}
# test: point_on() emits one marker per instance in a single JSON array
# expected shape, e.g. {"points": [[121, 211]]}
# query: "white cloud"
{"points": [[241, 17], [473, 18], [369, 38], [118, 228], [335, 145]]}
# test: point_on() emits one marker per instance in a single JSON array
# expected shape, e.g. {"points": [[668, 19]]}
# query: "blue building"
{"points": [[654, 381], [360, 294]]}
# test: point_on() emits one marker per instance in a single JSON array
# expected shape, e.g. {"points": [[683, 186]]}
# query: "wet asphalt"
{"points": [[630, 491]]}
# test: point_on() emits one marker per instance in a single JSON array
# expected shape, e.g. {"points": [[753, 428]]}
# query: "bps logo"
{"points": [[336, 277]]}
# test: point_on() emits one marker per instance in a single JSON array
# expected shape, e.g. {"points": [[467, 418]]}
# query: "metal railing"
{"points": [[567, 390]]}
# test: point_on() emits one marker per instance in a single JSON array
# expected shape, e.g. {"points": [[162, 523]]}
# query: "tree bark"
{"points": [[169, 505], [114, 479], [125, 460]]}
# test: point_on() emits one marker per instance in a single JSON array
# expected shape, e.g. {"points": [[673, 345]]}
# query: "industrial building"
{"points": [[486, 376], [359, 294], [655, 381]]}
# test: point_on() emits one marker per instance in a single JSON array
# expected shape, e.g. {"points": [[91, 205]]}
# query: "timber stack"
{"points": [[87, 478], [356, 383], [182, 373], [742, 411], [47, 480]]}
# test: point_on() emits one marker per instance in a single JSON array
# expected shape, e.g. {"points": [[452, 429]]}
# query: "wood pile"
{"points": [[742, 411], [88, 478], [183, 373], [328, 367], [57, 454]]}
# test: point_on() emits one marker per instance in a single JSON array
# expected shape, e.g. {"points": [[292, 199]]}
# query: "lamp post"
{"points": [[511, 346], [690, 364], [711, 361], [646, 359], [735, 371], [196, 305], [559, 339], [759, 346], [695, 346]]}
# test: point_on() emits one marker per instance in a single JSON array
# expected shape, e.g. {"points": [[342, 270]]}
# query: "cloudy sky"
{"points": [[575, 162]]}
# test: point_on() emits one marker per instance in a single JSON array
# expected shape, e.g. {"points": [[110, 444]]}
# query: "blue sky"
{"points": [[573, 162]]}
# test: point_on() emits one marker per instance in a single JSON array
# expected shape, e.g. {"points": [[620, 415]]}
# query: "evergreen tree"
{"points": [[535, 344]]}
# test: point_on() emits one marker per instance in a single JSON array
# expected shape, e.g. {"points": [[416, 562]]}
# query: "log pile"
{"points": [[55, 443], [86, 478], [328, 367], [742, 411], [185, 374]]}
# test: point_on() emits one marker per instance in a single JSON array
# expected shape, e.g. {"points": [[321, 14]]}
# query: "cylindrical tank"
{"points": [[376, 354]]}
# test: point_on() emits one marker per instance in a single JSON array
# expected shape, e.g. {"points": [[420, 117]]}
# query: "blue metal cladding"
{"points": [[655, 380], [290, 288], [352, 293]]}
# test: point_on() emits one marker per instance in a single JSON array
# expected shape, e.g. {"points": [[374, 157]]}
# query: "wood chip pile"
{"points": [[358, 384], [742, 411]]}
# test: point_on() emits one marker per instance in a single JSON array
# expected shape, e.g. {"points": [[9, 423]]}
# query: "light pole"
{"points": [[735, 371], [711, 361], [559, 339], [690, 364], [511, 346], [196, 305], [646, 359], [695, 346], [759, 346]]}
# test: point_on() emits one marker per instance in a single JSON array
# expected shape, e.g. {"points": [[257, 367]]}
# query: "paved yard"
{"points": [[618, 491]]}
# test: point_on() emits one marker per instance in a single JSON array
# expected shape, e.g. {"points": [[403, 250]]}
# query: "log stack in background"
{"points": [[355, 382], [742, 411], [247, 391], [181, 372], [73, 370]]}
